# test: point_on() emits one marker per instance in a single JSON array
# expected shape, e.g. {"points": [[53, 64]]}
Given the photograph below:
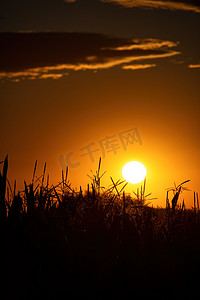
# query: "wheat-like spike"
{"points": [[47, 181], [34, 171], [115, 186], [45, 165], [66, 174], [197, 197], [183, 183]]}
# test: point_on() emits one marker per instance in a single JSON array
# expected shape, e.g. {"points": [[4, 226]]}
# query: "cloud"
{"points": [[170, 5], [194, 66], [145, 44], [53, 55], [37, 73], [138, 67]]}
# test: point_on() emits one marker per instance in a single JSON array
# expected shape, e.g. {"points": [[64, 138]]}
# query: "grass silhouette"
{"points": [[100, 243]]}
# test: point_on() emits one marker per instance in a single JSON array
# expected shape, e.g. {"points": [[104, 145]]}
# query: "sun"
{"points": [[134, 172]]}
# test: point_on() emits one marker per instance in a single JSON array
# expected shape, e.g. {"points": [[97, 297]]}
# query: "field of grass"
{"points": [[60, 243]]}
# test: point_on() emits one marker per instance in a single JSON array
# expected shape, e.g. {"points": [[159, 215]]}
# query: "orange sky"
{"points": [[53, 118], [99, 69]]}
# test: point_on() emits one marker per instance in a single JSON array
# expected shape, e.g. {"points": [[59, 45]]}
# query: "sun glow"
{"points": [[134, 172]]}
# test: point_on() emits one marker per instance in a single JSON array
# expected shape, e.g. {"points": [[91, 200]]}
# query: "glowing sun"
{"points": [[134, 172]]}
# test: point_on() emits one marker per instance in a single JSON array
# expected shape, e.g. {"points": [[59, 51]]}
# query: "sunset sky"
{"points": [[118, 79]]}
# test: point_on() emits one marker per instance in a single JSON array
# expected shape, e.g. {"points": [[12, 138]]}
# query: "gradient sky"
{"points": [[88, 74]]}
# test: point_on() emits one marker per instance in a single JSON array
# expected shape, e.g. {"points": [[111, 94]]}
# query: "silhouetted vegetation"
{"points": [[57, 242]]}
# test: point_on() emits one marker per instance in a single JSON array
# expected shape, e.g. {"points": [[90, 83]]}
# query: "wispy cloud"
{"points": [[138, 67], [170, 5], [145, 44], [194, 66], [53, 55]]}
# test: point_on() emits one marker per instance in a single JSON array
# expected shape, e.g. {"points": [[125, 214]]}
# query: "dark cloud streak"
{"points": [[49, 55], [192, 5]]}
